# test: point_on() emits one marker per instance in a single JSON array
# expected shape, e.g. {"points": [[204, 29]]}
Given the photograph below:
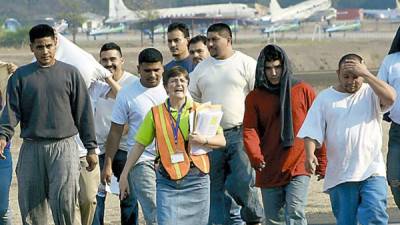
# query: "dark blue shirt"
{"points": [[186, 63]]}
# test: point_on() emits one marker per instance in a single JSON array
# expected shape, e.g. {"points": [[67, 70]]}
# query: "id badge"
{"points": [[177, 157]]}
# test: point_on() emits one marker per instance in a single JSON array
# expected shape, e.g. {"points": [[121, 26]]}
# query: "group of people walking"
{"points": [[275, 134]]}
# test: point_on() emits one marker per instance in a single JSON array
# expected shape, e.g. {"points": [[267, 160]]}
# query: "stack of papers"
{"points": [[205, 121]]}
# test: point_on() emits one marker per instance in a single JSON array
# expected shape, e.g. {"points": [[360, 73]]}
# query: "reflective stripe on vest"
{"points": [[202, 162], [166, 147]]}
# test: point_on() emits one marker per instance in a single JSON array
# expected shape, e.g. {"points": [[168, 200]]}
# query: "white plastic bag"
{"points": [[87, 65]]}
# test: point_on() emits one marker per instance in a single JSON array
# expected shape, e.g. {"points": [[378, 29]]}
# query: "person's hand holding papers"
{"points": [[204, 124]]}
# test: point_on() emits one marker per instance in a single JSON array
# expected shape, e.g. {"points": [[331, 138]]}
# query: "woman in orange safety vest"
{"points": [[183, 183]]}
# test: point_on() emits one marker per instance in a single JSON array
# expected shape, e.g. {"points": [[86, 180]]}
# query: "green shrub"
{"points": [[16, 39]]}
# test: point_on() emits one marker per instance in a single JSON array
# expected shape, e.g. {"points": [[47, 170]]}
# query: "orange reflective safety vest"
{"points": [[167, 150]]}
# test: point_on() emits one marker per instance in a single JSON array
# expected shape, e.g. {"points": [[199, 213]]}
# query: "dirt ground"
{"points": [[313, 61]]}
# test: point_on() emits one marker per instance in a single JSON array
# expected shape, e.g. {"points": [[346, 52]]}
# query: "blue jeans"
{"points": [[185, 201], [231, 171], [129, 206], [5, 177], [361, 202], [393, 159], [143, 177], [234, 209], [286, 204]]}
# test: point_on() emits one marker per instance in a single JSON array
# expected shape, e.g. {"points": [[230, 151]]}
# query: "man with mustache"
{"points": [[103, 95], [347, 117], [226, 78], [198, 49], [178, 39], [131, 106]]}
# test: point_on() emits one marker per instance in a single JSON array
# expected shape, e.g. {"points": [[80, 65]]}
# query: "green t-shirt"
{"points": [[146, 131]]}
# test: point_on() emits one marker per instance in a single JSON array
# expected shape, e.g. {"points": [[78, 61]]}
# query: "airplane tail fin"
{"points": [[274, 7], [330, 3], [116, 8]]}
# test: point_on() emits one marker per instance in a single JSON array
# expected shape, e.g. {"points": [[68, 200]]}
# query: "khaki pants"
{"points": [[88, 183]]}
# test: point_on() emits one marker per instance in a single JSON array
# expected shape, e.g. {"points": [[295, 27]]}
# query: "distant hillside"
{"points": [[27, 10]]}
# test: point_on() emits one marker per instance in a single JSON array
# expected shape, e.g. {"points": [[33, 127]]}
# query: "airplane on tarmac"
{"points": [[278, 28], [108, 30], [298, 12], [323, 15], [119, 13], [383, 14], [354, 26]]}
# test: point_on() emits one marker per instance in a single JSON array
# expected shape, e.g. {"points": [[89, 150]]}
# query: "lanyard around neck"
{"points": [[175, 129]]}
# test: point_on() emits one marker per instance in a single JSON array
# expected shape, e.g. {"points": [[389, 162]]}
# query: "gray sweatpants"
{"points": [[48, 172]]}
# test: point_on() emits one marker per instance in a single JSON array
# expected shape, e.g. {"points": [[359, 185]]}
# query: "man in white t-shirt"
{"points": [[389, 72], [226, 78], [347, 118], [103, 96], [132, 104]]}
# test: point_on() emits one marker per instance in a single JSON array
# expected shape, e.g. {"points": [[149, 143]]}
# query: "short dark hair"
{"points": [[150, 55], [111, 46], [349, 56], [198, 38], [221, 28], [41, 31], [181, 27], [174, 72], [271, 54]]}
